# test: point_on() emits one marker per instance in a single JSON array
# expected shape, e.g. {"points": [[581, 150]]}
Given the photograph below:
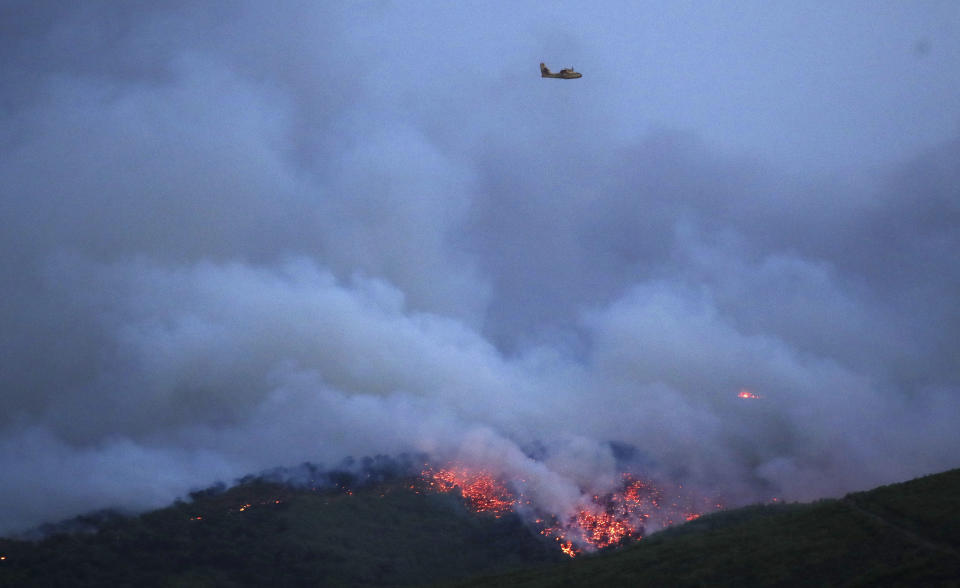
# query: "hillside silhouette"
{"points": [[383, 531]]}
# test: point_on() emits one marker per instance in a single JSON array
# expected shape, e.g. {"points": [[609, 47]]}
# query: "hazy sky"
{"points": [[238, 235]]}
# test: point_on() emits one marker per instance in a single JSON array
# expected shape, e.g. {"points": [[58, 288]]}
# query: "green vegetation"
{"points": [[386, 534], [926, 506]]}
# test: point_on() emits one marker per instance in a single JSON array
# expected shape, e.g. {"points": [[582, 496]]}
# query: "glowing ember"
{"points": [[246, 506], [744, 393]]}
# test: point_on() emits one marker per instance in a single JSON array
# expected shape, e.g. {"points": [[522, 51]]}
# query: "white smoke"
{"points": [[236, 238]]}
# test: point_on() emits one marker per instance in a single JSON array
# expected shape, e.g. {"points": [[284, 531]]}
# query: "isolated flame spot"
{"points": [[744, 393]]}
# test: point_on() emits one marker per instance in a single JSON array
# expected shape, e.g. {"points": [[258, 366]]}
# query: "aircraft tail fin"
{"points": [[544, 70]]}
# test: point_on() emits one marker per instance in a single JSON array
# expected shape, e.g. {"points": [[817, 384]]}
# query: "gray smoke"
{"points": [[237, 237]]}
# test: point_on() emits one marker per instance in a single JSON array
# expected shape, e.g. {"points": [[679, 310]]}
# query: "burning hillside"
{"points": [[598, 521], [631, 509], [480, 489]]}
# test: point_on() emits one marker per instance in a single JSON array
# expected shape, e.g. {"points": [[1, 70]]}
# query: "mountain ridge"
{"points": [[387, 532]]}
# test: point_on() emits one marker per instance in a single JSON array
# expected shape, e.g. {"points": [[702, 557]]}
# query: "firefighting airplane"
{"points": [[565, 74]]}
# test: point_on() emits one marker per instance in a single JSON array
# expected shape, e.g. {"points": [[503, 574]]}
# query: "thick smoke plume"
{"points": [[236, 237]]}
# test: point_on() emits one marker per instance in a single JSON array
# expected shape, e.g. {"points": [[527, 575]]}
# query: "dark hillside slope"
{"points": [[927, 507], [262, 534], [899, 535]]}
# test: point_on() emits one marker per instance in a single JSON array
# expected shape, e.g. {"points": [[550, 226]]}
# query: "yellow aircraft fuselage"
{"points": [[564, 74]]}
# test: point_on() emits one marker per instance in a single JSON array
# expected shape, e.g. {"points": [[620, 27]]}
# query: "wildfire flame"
{"points": [[481, 490], [744, 393], [599, 521]]}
